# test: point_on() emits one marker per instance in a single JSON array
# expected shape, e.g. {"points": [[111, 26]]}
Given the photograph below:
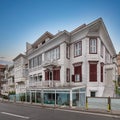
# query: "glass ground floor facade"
{"points": [[67, 96]]}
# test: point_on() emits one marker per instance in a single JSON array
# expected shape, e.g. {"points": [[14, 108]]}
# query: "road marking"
{"points": [[15, 115]]}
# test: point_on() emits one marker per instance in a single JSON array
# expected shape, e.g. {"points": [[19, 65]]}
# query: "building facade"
{"points": [[20, 73], [118, 62], [2, 78], [11, 80], [82, 57]]}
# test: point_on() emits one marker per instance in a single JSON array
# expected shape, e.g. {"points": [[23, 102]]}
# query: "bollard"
{"points": [[109, 104], [86, 103]]}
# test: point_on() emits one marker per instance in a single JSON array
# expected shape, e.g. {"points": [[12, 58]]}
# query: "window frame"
{"points": [[93, 71], [78, 49], [67, 74], [50, 53], [102, 49], [101, 72], [67, 51], [92, 93], [90, 39], [77, 67]]}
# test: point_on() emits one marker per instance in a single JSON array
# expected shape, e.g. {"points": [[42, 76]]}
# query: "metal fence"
{"points": [[105, 103], [115, 104]]}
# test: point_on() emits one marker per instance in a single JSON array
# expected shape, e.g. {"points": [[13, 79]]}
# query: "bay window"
{"points": [[53, 54]]}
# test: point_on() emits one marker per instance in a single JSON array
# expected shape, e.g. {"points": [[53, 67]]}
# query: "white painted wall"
{"points": [[85, 58]]}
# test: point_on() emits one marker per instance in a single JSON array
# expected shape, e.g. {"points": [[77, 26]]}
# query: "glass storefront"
{"points": [[74, 96]]}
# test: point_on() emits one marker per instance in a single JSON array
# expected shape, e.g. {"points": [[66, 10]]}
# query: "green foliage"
{"points": [[22, 97], [12, 93], [117, 90], [5, 96]]}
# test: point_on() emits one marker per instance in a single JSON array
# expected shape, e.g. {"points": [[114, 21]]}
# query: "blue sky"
{"points": [[24, 21]]}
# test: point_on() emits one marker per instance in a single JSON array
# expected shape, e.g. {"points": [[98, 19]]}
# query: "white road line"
{"points": [[15, 115]]}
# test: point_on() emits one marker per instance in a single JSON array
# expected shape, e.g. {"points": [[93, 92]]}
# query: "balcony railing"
{"points": [[42, 84], [20, 80]]}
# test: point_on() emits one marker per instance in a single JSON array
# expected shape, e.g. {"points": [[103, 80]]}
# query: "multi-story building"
{"points": [[118, 64], [20, 73], [82, 57], [11, 81], [2, 77]]}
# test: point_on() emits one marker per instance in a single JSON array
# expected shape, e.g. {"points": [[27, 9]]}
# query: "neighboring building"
{"points": [[82, 57], [11, 80], [2, 77], [118, 62], [20, 73]]}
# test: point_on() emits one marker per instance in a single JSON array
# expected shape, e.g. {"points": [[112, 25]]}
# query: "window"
{"points": [[39, 59], [77, 73], [93, 46], [102, 49], [40, 77], [31, 63], [53, 75], [43, 42], [46, 75], [93, 71], [35, 78], [78, 49], [92, 93], [68, 75], [102, 72], [67, 51], [53, 54], [56, 74], [35, 61], [77, 77]]}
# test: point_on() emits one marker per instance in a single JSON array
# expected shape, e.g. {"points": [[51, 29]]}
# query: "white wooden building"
{"points": [[82, 57]]}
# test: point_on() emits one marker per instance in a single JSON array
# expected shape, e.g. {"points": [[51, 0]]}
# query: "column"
{"points": [[71, 98], [55, 98], [42, 97], [35, 96], [30, 97]]}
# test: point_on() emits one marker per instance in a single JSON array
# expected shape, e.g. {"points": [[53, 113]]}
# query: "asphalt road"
{"points": [[10, 111]]}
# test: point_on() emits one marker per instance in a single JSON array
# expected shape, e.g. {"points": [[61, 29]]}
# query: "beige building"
{"points": [[118, 62], [20, 73], [11, 80]]}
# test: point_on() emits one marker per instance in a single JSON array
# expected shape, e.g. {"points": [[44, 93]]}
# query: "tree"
{"points": [[117, 86]]}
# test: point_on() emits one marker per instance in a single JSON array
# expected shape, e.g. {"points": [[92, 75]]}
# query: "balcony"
{"points": [[35, 84], [35, 69], [11, 84], [49, 63], [2, 74], [44, 84], [20, 80]]}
